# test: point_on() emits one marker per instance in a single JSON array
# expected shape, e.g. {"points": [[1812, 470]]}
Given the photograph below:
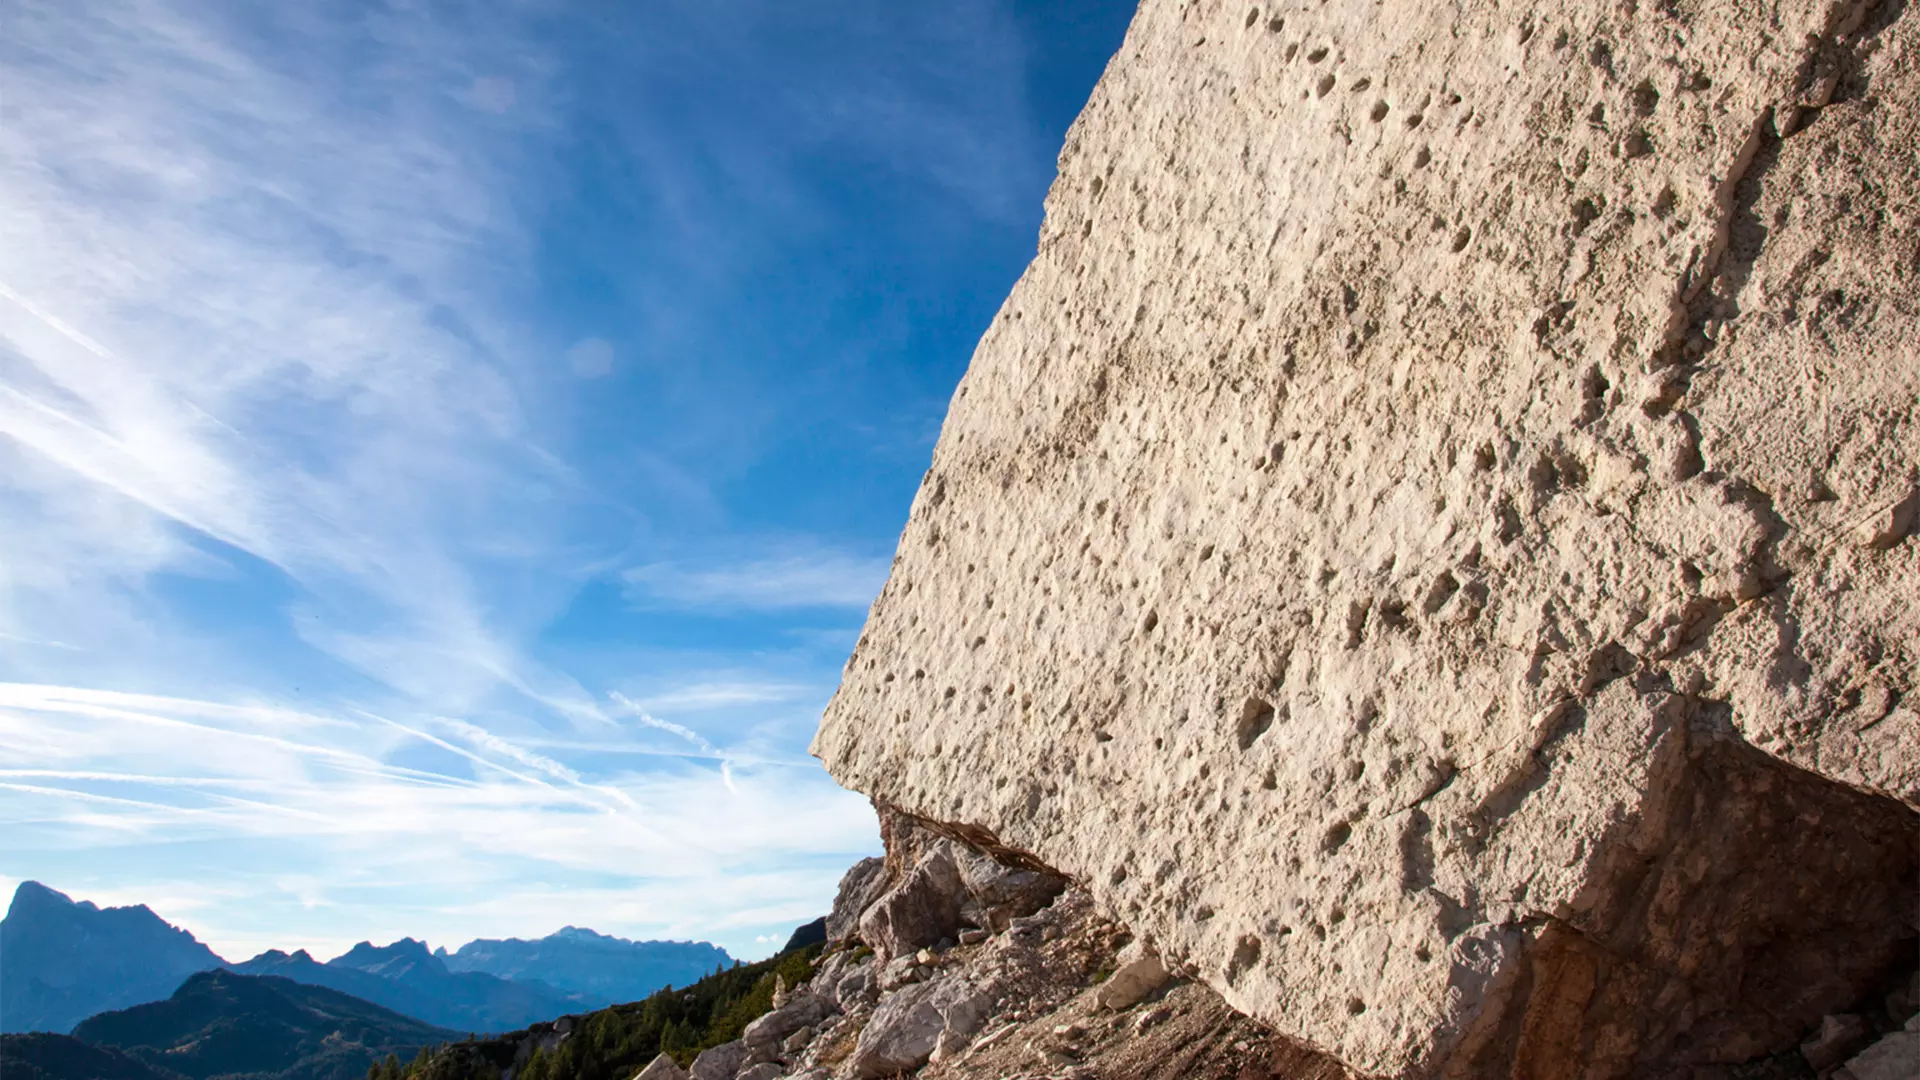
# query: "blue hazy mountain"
{"points": [[61, 961], [605, 970], [408, 979], [219, 1023]]}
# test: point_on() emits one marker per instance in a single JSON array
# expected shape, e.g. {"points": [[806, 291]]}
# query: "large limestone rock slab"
{"points": [[1429, 540]]}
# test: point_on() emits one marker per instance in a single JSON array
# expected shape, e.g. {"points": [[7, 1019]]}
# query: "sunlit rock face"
{"points": [[1427, 543]]}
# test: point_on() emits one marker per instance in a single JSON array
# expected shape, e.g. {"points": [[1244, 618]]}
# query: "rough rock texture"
{"points": [[1428, 541], [859, 888], [722, 1062], [909, 1024], [920, 910], [1136, 974], [764, 1036], [1024, 1002]]}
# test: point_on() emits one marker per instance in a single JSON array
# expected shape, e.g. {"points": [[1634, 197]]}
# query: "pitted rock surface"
{"points": [[1428, 542]]}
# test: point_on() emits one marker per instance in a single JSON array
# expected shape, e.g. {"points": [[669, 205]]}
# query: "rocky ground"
{"points": [[947, 964]]}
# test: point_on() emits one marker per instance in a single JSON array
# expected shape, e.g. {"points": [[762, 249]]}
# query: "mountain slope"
{"points": [[408, 979], [43, 1055], [600, 968], [221, 1023], [65, 961]]}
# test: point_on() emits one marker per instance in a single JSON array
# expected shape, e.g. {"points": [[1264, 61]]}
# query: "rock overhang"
{"points": [[1433, 451]]}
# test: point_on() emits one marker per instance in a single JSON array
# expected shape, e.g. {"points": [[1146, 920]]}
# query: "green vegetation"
{"points": [[41, 1055], [614, 1043]]}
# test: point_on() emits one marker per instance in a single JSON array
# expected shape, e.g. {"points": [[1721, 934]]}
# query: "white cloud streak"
{"points": [[269, 329], [824, 579], [161, 773], [239, 316]]}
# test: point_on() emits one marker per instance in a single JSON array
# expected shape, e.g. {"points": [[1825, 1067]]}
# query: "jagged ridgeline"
{"points": [[615, 1043]]}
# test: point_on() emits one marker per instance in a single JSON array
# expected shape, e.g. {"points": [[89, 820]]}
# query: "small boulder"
{"points": [[1137, 974], [797, 1042], [763, 1071], [1028, 931], [901, 1035], [723, 1062], [764, 1036], [963, 1005], [897, 973], [855, 986], [859, 888], [662, 1068], [923, 908], [910, 1025]]}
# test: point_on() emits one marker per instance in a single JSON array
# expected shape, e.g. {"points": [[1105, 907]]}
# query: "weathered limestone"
{"points": [[919, 911], [1138, 974], [1428, 543], [721, 1062], [763, 1037], [908, 1026], [861, 886]]}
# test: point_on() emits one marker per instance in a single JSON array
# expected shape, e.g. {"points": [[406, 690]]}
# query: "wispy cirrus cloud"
{"points": [[810, 579], [348, 351], [139, 776], [247, 308]]}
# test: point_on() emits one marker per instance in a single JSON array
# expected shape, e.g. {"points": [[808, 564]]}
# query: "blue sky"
{"points": [[447, 450]]}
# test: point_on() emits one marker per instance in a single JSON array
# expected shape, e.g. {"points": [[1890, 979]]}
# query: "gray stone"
{"points": [[897, 973], [962, 1005], [803, 1009], [766, 1070], [1137, 974], [855, 986], [923, 908], [722, 1062], [860, 886], [908, 1026]]}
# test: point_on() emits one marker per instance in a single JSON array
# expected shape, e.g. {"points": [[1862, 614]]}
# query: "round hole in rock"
{"points": [[1256, 716], [1336, 837]]}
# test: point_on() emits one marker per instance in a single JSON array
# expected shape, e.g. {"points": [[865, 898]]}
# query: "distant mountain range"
{"points": [[408, 979], [62, 961], [219, 1023], [604, 970]]}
